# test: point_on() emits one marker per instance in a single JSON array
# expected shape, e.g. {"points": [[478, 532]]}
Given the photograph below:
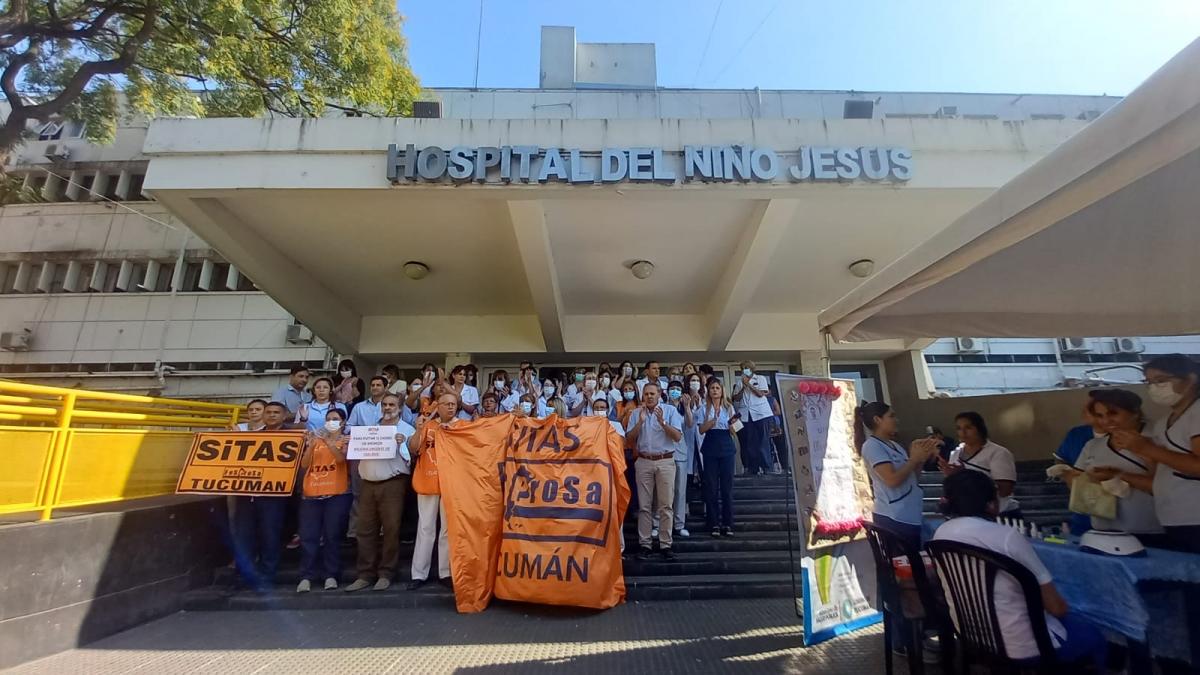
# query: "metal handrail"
{"points": [[64, 410]]}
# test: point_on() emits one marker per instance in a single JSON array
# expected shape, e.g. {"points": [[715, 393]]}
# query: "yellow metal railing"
{"points": [[72, 447]]}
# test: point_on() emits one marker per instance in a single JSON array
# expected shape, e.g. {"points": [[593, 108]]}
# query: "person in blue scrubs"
{"points": [[898, 496]]}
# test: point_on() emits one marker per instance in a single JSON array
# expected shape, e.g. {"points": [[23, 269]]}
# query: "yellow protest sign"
{"points": [[241, 463]]}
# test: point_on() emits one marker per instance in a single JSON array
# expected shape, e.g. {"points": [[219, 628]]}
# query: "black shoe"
{"points": [[448, 582], [645, 553], [726, 532], [667, 553], [416, 583]]}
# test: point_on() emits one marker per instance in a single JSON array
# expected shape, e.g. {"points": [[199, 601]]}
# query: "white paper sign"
{"points": [[372, 443]]}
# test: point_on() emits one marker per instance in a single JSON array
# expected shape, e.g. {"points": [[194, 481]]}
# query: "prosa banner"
{"points": [[546, 527], [242, 463]]}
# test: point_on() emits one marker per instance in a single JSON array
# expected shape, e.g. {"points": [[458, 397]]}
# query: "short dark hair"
{"points": [[380, 378], [336, 411], [976, 421], [391, 368], [967, 494], [1121, 399], [652, 384], [706, 369], [489, 394], [649, 362], [277, 404], [1175, 365], [252, 401], [298, 369]]}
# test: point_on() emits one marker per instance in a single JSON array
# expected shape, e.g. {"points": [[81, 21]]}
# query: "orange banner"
{"points": [[535, 510], [242, 463]]}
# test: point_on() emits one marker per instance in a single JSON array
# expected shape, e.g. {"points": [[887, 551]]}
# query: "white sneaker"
{"points": [[304, 586], [383, 584], [654, 533], [331, 584], [683, 532]]}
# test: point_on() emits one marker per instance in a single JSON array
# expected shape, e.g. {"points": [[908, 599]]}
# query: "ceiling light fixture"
{"points": [[642, 269], [862, 268], [416, 270]]}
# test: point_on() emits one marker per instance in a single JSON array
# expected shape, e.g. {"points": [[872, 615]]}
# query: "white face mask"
{"points": [[499, 384], [600, 413], [332, 425], [747, 372], [628, 371], [346, 373], [526, 407], [1163, 393], [590, 384], [694, 386], [547, 391], [605, 381]]}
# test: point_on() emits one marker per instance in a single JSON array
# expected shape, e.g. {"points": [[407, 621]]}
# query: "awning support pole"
{"points": [[826, 360]]}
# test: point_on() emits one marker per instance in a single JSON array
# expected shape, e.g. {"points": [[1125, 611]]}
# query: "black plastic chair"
{"points": [[887, 545], [968, 576]]}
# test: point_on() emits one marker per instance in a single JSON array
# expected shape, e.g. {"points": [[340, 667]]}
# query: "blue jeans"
{"points": [[756, 451], [718, 478], [258, 538], [1084, 640], [323, 518]]}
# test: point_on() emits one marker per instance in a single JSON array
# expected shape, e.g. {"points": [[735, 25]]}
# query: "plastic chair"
{"points": [[968, 576], [885, 546]]}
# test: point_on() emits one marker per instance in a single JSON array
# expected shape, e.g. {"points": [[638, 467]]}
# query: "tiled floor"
{"points": [[718, 636]]}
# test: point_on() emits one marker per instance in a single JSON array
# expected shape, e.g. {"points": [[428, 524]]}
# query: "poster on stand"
{"points": [[833, 500]]}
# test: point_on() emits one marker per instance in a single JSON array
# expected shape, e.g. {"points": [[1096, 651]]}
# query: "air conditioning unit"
{"points": [[1128, 345], [299, 335], [947, 112], [16, 341], [966, 345], [57, 151], [1073, 345]]}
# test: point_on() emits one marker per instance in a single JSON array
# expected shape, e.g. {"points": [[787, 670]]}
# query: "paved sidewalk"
{"points": [[716, 636]]}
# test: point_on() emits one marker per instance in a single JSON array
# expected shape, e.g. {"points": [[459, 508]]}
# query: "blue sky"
{"points": [[1019, 46]]}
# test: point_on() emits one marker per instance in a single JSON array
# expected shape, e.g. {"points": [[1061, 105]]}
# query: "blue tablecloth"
{"points": [[1104, 589]]}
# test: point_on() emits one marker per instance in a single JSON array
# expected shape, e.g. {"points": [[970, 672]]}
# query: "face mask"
{"points": [[499, 384], [747, 372], [694, 386], [526, 407], [1163, 393], [628, 395], [590, 384], [600, 413], [547, 391], [346, 373], [628, 371], [605, 381], [674, 394], [332, 425], [579, 377]]}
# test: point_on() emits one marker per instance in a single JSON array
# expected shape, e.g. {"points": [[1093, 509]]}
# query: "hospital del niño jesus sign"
{"points": [[703, 163]]}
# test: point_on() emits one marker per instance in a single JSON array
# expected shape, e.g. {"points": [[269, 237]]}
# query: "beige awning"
{"points": [[1100, 237]]}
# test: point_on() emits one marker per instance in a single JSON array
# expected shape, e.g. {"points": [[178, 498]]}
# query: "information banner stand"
{"points": [[833, 500]]}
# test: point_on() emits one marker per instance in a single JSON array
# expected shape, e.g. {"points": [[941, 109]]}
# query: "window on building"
{"points": [[858, 110], [85, 186], [191, 276], [50, 131], [110, 190], [36, 183], [74, 129], [8, 276], [244, 284], [59, 278], [135, 187]]}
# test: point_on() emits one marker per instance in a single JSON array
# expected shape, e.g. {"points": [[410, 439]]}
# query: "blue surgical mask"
{"points": [[547, 391], [628, 395], [675, 394], [526, 407], [579, 377], [747, 372]]}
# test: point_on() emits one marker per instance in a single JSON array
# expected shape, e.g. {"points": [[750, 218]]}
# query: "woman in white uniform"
{"points": [[1103, 459], [977, 452], [468, 394], [1174, 446]]}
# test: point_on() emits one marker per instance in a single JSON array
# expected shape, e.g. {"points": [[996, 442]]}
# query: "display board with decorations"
{"points": [[833, 489]]}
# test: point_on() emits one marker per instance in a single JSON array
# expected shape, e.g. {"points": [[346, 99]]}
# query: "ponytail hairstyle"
{"points": [[864, 420]]}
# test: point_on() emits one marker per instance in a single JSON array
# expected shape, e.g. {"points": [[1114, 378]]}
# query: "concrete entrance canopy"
{"points": [[305, 209]]}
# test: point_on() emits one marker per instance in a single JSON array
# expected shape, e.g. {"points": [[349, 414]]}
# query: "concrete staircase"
{"points": [[758, 562]]}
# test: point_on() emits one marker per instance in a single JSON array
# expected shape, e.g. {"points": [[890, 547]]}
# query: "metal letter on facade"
{"points": [[764, 173], [614, 165], [553, 164], [579, 173], [431, 163], [485, 158], [461, 166]]}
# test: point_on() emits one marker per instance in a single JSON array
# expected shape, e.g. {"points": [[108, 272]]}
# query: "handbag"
{"points": [[326, 475], [1089, 497]]}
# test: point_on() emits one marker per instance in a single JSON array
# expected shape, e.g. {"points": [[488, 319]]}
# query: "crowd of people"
{"points": [[679, 426], [1158, 459]]}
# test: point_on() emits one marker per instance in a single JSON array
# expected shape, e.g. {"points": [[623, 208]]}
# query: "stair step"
{"points": [[711, 587]]}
